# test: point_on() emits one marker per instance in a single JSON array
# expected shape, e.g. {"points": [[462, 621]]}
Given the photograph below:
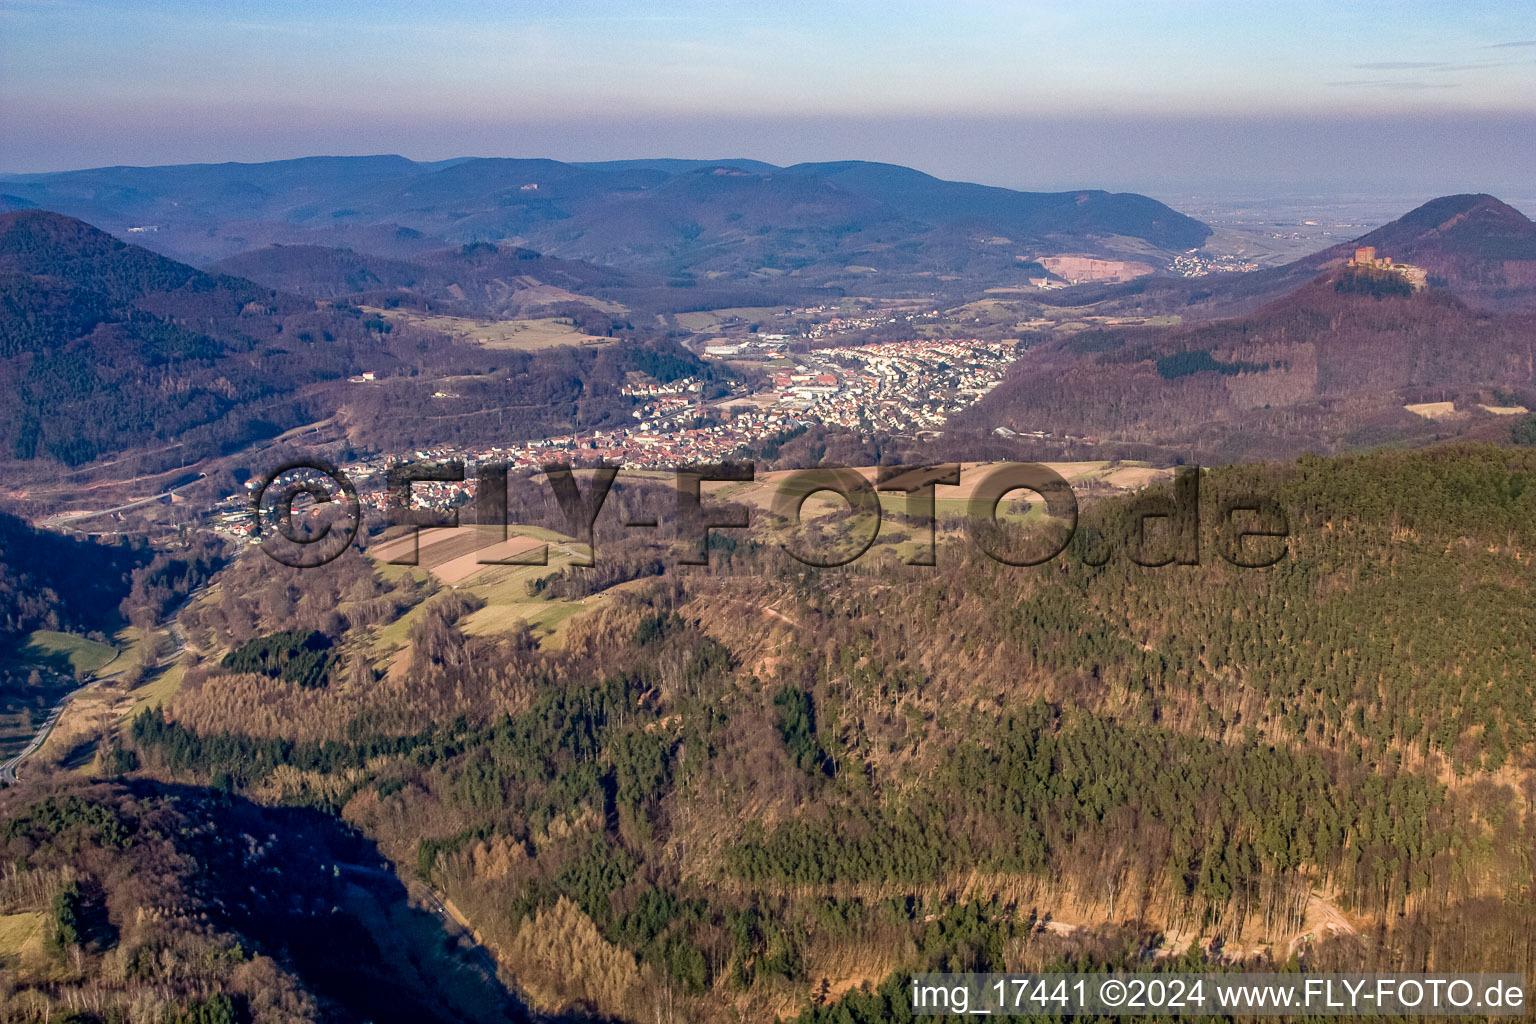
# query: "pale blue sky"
{"points": [[158, 81]]}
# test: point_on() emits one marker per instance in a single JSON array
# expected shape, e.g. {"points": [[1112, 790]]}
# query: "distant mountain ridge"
{"points": [[1090, 211], [740, 219]]}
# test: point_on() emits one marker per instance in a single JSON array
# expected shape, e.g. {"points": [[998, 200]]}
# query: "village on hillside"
{"points": [[899, 387]]}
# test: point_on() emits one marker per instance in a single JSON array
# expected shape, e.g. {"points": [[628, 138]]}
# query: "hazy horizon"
{"points": [[1397, 179], [1422, 97]]}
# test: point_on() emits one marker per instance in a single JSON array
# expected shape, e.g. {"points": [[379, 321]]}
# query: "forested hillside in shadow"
{"points": [[152, 902]]}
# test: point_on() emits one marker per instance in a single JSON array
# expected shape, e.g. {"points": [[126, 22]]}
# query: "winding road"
{"points": [[8, 769]]}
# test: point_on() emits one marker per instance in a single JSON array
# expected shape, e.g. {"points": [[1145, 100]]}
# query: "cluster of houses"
{"points": [[654, 444], [846, 324], [655, 389], [1195, 263], [899, 386]]}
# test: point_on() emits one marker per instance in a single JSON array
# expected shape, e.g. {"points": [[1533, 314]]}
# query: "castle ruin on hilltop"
{"points": [[1366, 258]]}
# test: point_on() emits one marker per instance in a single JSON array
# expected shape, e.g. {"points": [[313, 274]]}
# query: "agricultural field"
{"points": [[454, 558], [505, 592], [519, 335], [455, 554], [68, 651]]}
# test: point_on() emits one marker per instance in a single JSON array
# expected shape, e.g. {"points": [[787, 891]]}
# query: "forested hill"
{"points": [[1478, 248], [180, 905], [482, 279], [71, 254], [1481, 249], [1333, 366], [51, 581], [106, 346]]}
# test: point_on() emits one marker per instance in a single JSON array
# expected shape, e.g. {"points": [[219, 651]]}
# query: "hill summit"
{"points": [[1478, 247], [1342, 353]]}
